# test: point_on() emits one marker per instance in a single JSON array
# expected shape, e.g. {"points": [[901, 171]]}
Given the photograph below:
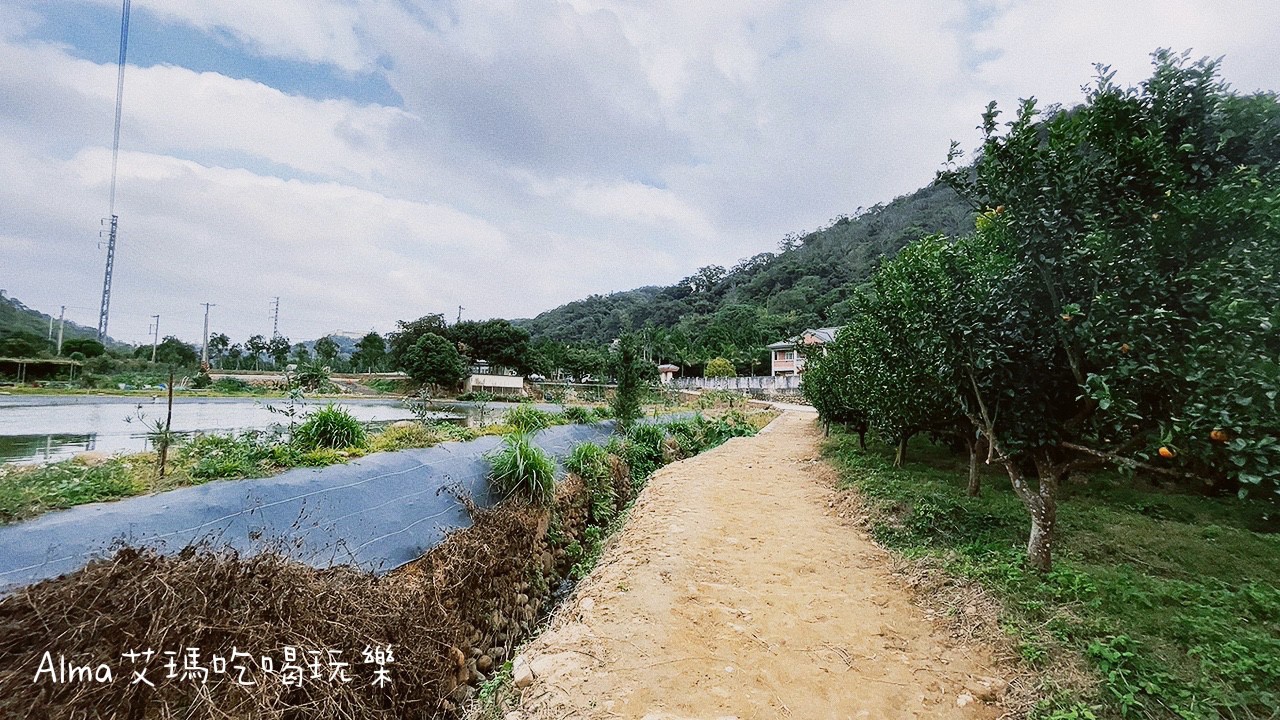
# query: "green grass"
{"points": [[1172, 599], [330, 427], [24, 494], [521, 469]]}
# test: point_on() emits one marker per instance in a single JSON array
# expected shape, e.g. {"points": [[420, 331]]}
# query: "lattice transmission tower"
{"points": [[115, 156]]}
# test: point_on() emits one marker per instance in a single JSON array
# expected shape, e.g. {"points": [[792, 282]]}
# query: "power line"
{"points": [[115, 157]]}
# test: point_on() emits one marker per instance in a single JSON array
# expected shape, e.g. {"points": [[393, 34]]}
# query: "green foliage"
{"points": [[170, 351], [433, 360], [251, 453], [1173, 599], [643, 450], [735, 311], [634, 375], [521, 469], [17, 320], [579, 414], [370, 354], [403, 437], [590, 462], [311, 376], [528, 419], [28, 491], [497, 341], [231, 385], [19, 343], [330, 427], [88, 347], [699, 434], [719, 367]]}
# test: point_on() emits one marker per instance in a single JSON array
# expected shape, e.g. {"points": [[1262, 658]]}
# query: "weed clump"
{"points": [[522, 470], [528, 419], [330, 427], [591, 462]]}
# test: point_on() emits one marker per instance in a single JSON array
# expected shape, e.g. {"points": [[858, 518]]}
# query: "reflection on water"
{"points": [[40, 428], [44, 447], [44, 428]]}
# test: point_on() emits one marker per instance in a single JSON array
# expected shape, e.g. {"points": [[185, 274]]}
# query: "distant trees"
{"points": [[326, 350], [88, 347], [408, 332], [20, 343], [434, 360], [370, 354], [256, 345], [497, 341], [172, 351], [278, 348], [1116, 302], [219, 343]]}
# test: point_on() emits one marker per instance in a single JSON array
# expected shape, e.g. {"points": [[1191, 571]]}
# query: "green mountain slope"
{"points": [[771, 295], [17, 318]]}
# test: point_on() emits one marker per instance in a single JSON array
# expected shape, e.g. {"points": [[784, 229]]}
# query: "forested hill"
{"points": [[19, 321], [807, 283]]}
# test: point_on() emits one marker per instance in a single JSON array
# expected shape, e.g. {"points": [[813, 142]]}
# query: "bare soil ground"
{"points": [[734, 591]]}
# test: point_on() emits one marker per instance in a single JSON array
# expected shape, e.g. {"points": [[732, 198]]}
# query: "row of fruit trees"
{"points": [[1116, 303]]}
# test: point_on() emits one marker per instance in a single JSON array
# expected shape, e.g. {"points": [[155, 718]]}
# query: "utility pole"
{"points": [[155, 338], [62, 320], [275, 317], [460, 309], [204, 349]]}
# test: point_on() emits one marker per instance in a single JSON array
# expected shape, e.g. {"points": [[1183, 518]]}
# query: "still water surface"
{"points": [[52, 427]]}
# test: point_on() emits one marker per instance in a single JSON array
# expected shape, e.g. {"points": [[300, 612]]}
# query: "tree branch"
{"points": [[1128, 462]]}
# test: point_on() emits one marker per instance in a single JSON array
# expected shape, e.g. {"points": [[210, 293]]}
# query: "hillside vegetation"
{"points": [[734, 312], [19, 321]]}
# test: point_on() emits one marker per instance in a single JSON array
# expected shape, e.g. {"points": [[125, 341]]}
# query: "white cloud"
{"points": [[544, 150]]}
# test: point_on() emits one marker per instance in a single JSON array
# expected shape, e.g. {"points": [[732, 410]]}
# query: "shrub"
{"points": [[521, 469], [579, 415], [330, 427], [643, 450], [230, 385], [528, 419], [719, 367], [228, 456], [590, 462], [403, 437]]}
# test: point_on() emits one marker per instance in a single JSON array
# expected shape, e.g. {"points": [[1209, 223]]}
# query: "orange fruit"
{"points": [[1124, 348], [1219, 435], [1167, 452]]}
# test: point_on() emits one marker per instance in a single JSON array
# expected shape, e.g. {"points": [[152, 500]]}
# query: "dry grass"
{"points": [[217, 601]]}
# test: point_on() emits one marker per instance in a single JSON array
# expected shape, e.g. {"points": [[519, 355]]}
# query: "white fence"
{"points": [[760, 385]]}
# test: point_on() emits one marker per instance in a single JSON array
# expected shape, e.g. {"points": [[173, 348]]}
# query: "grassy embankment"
{"points": [[1169, 601]]}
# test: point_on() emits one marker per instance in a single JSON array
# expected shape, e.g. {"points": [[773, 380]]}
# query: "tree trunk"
{"points": [[862, 437], [1042, 505], [901, 454], [975, 480]]}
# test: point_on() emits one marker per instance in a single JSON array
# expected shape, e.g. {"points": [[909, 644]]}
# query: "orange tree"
{"points": [[1130, 297]]}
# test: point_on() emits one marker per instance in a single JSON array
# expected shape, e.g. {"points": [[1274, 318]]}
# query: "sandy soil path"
{"points": [[733, 593]]}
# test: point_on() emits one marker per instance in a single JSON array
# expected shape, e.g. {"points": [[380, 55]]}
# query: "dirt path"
{"points": [[733, 593]]}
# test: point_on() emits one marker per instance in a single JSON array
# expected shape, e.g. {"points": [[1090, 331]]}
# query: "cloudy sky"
{"points": [[373, 160]]}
